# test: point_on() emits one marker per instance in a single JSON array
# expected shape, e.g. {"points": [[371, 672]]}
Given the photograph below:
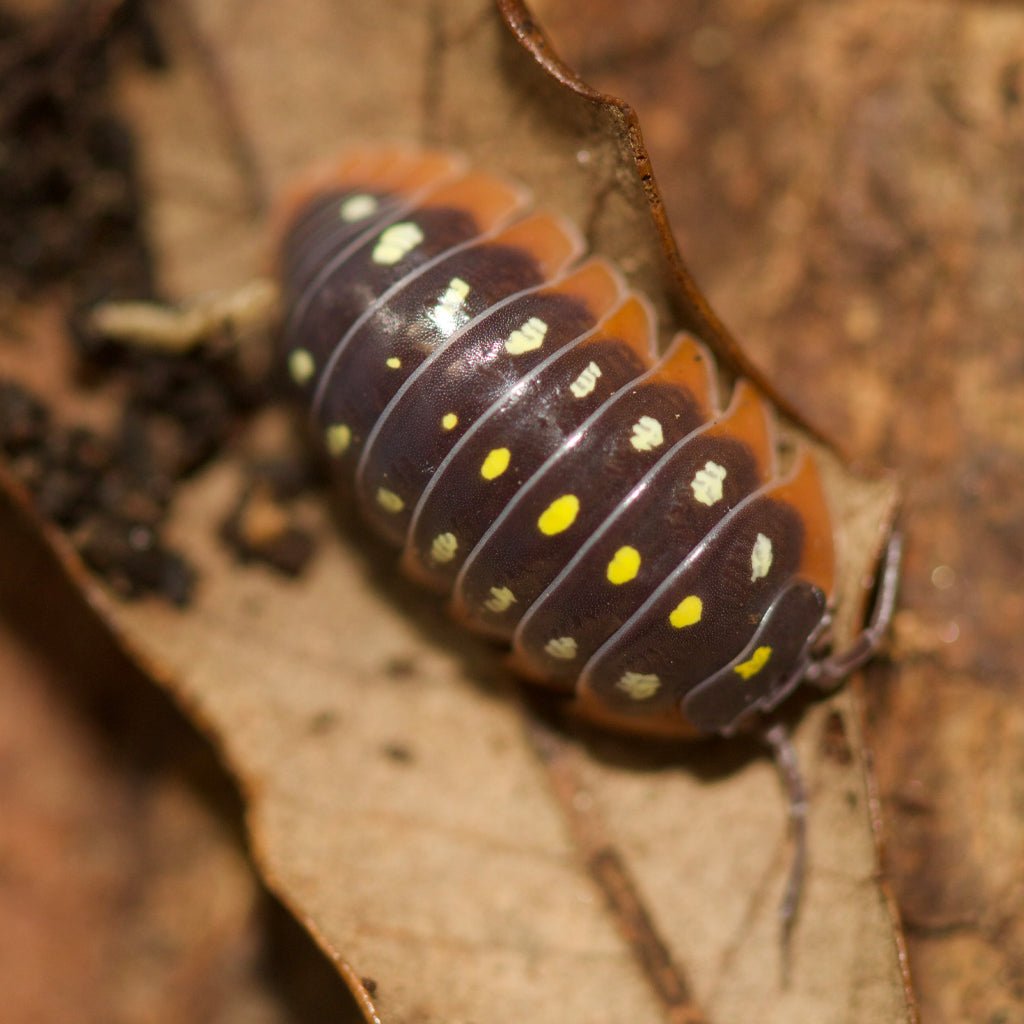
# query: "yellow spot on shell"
{"points": [[760, 558], [754, 663], [389, 501], [688, 612], [707, 483], [501, 600], [559, 515], [449, 421], [496, 463], [395, 243], [624, 566], [301, 366], [647, 434], [357, 207], [337, 438], [448, 315], [393, 363], [561, 647], [527, 338], [638, 685], [585, 383], [443, 548]]}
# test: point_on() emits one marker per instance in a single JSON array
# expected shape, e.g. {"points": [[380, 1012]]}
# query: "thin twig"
{"points": [[777, 737], [222, 91], [612, 876]]}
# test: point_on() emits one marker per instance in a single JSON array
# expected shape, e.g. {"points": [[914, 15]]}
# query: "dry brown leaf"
{"points": [[852, 199], [396, 801], [118, 823]]}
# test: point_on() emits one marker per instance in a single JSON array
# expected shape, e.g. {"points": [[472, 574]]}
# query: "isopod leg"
{"points": [[777, 737], [826, 673], [832, 670]]}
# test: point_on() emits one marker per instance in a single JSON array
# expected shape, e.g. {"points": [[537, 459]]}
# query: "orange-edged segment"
{"points": [[443, 398], [378, 170], [704, 613], [532, 422], [687, 366], [804, 492], [587, 480], [668, 513], [749, 420]]}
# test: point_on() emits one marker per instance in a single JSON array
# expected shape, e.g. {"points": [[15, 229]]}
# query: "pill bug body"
{"points": [[499, 410]]}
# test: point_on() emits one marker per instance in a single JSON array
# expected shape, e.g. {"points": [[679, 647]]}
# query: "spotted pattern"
{"points": [[496, 463], [647, 434], [396, 243], [358, 207], [337, 438], [301, 366], [639, 685], [754, 663], [624, 566], [585, 383], [559, 515], [761, 556], [707, 483], [389, 501], [527, 338], [444, 547], [449, 313], [510, 427], [688, 612], [561, 647], [501, 599]]}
